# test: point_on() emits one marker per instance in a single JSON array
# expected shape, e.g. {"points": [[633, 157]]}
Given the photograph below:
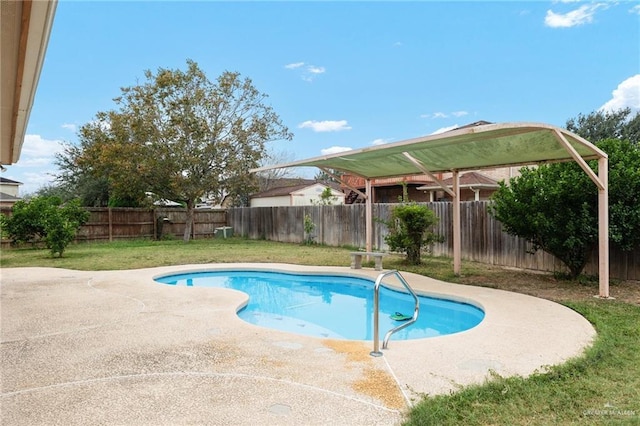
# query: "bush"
{"points": [[410, 230], [555, 206], [45, 219]]}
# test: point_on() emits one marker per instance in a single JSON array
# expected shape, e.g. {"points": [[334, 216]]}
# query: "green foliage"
{"points": [[180, 136], [309, 227], [555, 206], [327, 176], [77, 180], [598, 126], [605, 379], [410, 230], [45, 219], [27, 221], [326, 198], [624, 192]]}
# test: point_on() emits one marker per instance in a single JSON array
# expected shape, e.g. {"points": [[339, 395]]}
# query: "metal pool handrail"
{"points": [[376, 313]]}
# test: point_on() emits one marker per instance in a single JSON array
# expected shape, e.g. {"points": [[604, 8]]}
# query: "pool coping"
{"points": [[515, 326], [519, 335]]}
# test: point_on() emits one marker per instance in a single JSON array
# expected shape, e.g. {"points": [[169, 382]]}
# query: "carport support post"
{"points": [[456, 224], [603, 227], [368, 215], [602, 182]]}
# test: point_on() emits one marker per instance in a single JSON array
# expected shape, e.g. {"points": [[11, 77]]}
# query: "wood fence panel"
{"points": [[483, 238]]}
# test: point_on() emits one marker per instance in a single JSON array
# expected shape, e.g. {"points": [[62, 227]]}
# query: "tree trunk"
{"points": [[189, 223], [413, 255]]}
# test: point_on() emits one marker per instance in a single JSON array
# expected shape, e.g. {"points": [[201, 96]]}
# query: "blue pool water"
{"points": [[331, 306]]}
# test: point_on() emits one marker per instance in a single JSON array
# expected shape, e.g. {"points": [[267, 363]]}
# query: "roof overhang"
{"points": [[26, 26], [462, 185], [471, 148]]}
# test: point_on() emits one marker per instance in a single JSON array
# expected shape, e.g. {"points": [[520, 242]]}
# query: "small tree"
{"points": [[326, 198], [538, 207], [45, 219], [410, 230], [309, 227], [555, 206], [27, 221]]}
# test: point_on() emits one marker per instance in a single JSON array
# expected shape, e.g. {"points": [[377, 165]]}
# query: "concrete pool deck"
{"points": [[115, 347]]}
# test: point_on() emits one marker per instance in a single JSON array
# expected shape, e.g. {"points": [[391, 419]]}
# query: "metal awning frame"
{"points": [[573, 146]]}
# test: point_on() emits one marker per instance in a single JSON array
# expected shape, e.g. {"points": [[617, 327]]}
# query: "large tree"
{"points": [[555, 206], [600, 125], [180, 136]]}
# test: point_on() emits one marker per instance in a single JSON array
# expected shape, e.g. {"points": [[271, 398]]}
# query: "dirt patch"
{"points": [[379, 384], [374, 382], [355, 351], [548, 286]]}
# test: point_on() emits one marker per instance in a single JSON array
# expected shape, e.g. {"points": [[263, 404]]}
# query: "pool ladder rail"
{"points": [[376, 311]]}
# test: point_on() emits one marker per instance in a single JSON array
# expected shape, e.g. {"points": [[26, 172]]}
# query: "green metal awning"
{"points": [[474, 147], [471, 148]]}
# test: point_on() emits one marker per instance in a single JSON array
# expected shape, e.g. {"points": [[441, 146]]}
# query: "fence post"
{"points": [[193, 225], [154, 224], [110, 226]]}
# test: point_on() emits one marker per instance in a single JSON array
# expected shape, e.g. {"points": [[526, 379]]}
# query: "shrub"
{"points": [[45, 219], [410, 230]]}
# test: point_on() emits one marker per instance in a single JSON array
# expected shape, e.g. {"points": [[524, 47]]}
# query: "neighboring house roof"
{"points": [[166, 203], [359, 182], [288, 189], [284, 182], [9, 181], [277, 192], [471, 179]]}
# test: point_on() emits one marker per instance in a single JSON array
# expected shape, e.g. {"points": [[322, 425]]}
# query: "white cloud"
{"points": [[635, 9], [445, 129], [36, 166], [308, 71], [32, 181], [582, 15], [397, 44], [69, 126], [294, 65], [441, 114], [335, 150], [325, 126], [35, 146], [315, 70], [627, 94]]}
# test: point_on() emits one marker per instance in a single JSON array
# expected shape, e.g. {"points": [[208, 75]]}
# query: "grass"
{"points": [[146, 253], [601, 387]]}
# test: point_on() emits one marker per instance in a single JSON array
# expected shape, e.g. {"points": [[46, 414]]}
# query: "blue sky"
{"points": [[343, 74]]}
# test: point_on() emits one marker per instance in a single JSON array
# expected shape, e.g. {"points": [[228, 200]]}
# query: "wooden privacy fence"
{"points": [[482, 237], [121, 223], [129, 223]]}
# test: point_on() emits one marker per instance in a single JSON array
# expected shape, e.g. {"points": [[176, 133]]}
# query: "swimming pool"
{"points": [[331, 306]]}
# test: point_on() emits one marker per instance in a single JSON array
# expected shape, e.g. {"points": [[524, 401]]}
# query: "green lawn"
{"points": [[601, 387]]}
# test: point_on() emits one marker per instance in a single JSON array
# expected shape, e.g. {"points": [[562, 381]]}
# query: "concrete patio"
{"points": [[115, 347]]}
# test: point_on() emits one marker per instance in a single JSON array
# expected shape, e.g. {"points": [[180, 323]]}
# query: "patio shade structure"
{"points": [[474, 148]]}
